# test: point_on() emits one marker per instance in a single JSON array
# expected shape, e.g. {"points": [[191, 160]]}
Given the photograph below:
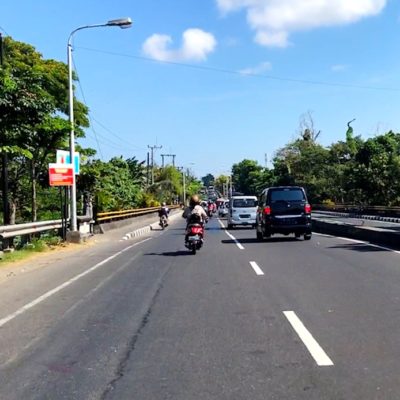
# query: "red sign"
{"points": [[61, 174]]}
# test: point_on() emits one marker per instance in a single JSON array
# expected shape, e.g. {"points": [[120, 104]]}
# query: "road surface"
{"points": [[145, 319]]}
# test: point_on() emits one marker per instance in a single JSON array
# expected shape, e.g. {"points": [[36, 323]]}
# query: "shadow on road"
{"points": [[171, 253], [254, 240], [364, 248]]}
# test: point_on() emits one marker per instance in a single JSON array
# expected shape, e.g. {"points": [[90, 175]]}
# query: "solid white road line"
{"points": [[256, 268], [57, 289], [319, 355], [231, 236], [359, 242]]}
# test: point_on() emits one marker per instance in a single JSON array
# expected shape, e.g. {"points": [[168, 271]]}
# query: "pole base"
{"points": [[76, 237]]}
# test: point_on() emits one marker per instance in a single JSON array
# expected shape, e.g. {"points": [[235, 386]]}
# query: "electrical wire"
{"points": [[118, 137], [2, 29], [96, 134], [234, 72], [90, 118]]}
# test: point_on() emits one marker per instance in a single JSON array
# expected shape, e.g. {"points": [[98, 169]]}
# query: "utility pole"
{"points": [[148, 170], [168, 155], [182, 169], [152, 148]]}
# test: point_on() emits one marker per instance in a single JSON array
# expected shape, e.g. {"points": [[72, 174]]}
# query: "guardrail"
{"points": [[360, 209], [114, 215], [10, 231]]}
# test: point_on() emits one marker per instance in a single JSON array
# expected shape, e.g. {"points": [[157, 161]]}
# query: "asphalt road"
{"points": [[282, 319]]}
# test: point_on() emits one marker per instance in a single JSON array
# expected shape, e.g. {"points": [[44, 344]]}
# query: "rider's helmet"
{"points": [[194, 200]]}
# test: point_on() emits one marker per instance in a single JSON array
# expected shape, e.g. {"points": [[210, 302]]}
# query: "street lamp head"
{"points": [[121, 22]]}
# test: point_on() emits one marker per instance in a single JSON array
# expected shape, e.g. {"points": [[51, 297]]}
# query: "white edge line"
{"points": [[319, 355], [256, 268], [48, 294], [359, 241]]}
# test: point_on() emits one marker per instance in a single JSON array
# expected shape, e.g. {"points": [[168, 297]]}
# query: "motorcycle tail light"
{"points": [[196, 229]]}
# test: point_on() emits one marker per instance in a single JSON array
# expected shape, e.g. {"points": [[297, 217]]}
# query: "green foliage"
{"points": [[208, 180], [354, 171], [246, 176], [111, 184], [33, 121]]}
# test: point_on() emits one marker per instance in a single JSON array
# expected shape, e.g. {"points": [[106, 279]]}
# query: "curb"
{"points": [[147, 229]]}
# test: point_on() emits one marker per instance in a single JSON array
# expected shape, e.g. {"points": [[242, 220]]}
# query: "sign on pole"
{"points": [[61, 174], [64, 157]]}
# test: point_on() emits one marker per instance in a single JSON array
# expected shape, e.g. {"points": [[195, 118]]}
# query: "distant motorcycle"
{"points": [[163, 222]]}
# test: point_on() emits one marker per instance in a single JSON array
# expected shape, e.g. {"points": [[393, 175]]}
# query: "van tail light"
{"points": [[267, 210], [307, 208]]}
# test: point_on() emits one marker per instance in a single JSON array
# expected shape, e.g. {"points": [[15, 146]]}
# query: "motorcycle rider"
{"points": [[194, 211], [163, 212]]}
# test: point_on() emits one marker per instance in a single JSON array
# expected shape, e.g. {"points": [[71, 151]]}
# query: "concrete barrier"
{"points": [[377, 235]]}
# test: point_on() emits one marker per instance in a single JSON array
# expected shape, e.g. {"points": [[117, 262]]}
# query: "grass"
{"points": [[35, 246]]}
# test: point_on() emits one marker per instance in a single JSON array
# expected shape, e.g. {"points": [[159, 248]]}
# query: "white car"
{"points": [[242, 211]]}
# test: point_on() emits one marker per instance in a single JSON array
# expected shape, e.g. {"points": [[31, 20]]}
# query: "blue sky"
{"points": [[208, 96]]}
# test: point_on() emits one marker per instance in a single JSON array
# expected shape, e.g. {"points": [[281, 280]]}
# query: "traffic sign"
{"points": [[64, 157], [61, 174]]}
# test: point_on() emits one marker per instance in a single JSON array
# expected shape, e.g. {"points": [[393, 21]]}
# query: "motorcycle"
{"points": [[163, 222], [194, 237]]}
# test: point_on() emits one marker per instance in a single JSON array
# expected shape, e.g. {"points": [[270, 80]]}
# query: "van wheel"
{"points": [[307, 236]]}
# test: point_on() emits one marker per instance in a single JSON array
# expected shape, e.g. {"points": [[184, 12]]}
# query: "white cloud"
{"points": [[258, 69], [274, 20], [338, 67], [196, 45]]}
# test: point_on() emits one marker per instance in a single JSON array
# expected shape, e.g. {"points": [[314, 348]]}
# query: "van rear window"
{"points": [[244, 203], [287, 195]]}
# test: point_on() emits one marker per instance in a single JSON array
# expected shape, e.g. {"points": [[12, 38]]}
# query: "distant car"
{"points": [[285, 210], [242, 211], [223, 209]]}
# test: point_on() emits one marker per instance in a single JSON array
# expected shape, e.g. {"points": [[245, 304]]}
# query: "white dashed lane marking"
{"points": [[319, 355], [256, 268], [231, 236]]}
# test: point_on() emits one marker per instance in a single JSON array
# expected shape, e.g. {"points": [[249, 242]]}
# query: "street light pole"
{"points": [[122, 23]]}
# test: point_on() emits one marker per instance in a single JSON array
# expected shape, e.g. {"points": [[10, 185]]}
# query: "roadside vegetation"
{"points": [[34, 124], [349, 171], [34, 246]]}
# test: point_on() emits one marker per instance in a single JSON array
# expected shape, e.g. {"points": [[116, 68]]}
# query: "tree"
{"points": [[208, 179], [111, 184], [307, 128], [245, 176], [33, 100]]}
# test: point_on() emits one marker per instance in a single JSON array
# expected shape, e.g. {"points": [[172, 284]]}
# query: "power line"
{"points": [[234, 72], [90, 119], [96, 134], [114, 134], [2, 29]]}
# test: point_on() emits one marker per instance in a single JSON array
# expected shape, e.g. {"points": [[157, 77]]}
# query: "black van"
{"points": [[285, 210]]}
